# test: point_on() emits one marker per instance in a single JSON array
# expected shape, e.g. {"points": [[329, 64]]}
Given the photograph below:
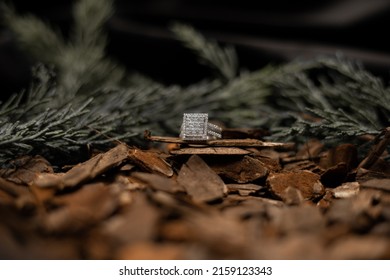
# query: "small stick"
{"points": [[220, 142]]}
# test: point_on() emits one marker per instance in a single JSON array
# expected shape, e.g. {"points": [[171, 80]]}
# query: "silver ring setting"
{"points": [[196, 127]]}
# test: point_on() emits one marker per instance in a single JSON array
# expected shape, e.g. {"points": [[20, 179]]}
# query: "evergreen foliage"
{"points": [[345, 101], [83, 97], [223, 60], [80, 62], [29, 123]]}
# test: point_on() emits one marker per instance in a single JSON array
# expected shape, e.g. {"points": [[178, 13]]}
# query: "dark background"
{"points": [[262, 31]]}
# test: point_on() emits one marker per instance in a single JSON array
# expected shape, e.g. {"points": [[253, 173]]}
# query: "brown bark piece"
{"points": [[137, 223], [244, 189], [11, 188], [48, 180], [82, 209], [344, 153], [379, 184], [133, 224], [88, 170], [234, 199], [338, 162], [243, 170], [176, 231], [303, 219], [326, 200], [306, 182], [150, 161], [270, 163], [200, 181], [32, 246], [129, 183], [95, 166], [6, 199], [303, 165], [292, 196], [296, 247], [268, 153], [311, 149], [335, 175], [359, 213], [151, 251], [346, 190], [127, 167], [27, 169], [377, 150], [360, 247], [159, 182], [363, 175], [248, 209], [210, 151], [23, 198], [224, 236], [306, 158]]}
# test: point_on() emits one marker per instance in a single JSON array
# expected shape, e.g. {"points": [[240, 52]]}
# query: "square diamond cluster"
{"points": [[194, 126]]}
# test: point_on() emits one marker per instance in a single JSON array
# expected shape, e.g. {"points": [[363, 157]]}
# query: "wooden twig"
{"points": [[211, 151], [220, 142]]}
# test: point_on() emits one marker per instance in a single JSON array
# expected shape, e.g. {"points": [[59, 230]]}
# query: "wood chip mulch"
{"points": [[232, 200]]}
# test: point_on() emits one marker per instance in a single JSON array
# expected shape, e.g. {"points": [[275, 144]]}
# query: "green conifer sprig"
{"points": [[33, 126], [89, 33], [48, 41], [80, 62], [346, 101], [28, 124], [222, 59]]}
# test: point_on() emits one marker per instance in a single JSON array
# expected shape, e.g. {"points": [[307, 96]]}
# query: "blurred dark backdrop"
{"points": [[262, 31]]}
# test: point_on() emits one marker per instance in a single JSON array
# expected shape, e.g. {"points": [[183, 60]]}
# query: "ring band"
{"points": [[196, 127]]}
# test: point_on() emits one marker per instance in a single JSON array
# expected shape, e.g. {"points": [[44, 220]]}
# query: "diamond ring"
{"points": [[195, 127]]}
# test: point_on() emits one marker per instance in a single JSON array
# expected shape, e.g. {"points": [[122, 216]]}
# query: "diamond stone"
{"points": [[194, 126]]}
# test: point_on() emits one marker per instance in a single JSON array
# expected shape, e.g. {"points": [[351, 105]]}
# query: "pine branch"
{"points": [[81, 63], [90, 33], [333, 126], [45, 130], [33, 35], [224, 60], [349, 101]]}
